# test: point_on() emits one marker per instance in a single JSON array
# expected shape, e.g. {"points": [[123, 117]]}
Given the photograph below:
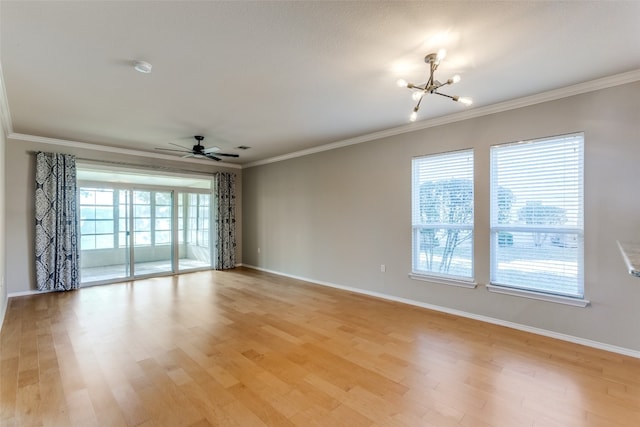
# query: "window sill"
{"points": [[576, 302], [469, 284]]}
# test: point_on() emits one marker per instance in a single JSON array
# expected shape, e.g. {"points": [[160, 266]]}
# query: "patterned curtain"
{"points": [[225, 220], [56, 223]]}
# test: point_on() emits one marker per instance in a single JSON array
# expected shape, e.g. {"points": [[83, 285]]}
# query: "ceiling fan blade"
{"points": [[227, 155], [211, 150], [212, 157], [171, 149], [184, 148]]}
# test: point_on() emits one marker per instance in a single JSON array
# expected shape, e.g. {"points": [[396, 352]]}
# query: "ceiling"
{"points": [[281, 77]]}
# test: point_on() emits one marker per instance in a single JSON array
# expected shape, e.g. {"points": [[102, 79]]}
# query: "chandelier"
{"points": [[432, 85]]}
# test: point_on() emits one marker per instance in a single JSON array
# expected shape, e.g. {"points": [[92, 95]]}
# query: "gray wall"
{"points": [[19, 175], [336, 216]]}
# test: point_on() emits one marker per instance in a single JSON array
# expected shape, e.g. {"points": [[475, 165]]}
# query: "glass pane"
{"points": [[194, 252], [153, 252], [104, 241], [104, 227], [163, 198], [141, 197], [537, 215], [142, 238], [444, 251], [87, 242], [87, 197], [87, 212], [163, 237], [99, 259], [538, 261], [141, 211], [104, 212], [104, 197], [442, 214], [123, 239], [142, 224], [163, 224], [87, 227], [163, 211]]}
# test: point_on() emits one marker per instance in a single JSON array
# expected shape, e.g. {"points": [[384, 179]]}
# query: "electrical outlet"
{"points": [[383, 268]]}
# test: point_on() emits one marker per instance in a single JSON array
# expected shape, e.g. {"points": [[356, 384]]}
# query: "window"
{"points": [[163, 216], [442, 215], [142, 218], [537, 215], [96, 218]]}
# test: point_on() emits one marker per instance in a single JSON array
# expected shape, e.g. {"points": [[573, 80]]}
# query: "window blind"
{"points": [[442, 214], [537, 215]]}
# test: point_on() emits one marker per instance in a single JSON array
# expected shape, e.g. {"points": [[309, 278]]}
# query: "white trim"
{"points": [[5, 114], [577, 89], [559, 299], [27, 293], [4, 312], [627, 250], [117, 150], [469, 284], [552, 95], [538, 331]]}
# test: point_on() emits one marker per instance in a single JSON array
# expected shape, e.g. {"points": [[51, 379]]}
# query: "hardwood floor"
{"points": [[245, 348]]}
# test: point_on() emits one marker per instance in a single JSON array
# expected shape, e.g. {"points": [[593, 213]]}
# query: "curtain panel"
{"points": [[225, 220], [56, 223]]}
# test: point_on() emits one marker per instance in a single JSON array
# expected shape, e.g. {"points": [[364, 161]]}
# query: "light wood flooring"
{"points": [[245, 348]]}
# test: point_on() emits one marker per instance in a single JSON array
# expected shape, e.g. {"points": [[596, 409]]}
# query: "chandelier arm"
{"points": [[445, 95], [437, 86], [417, 107]]}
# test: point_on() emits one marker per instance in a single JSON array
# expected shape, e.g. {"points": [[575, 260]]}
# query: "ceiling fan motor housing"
{"points": [[198, 148]]}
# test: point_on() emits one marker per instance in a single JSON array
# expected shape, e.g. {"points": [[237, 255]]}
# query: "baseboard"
{"points": [[518, 326], [4, 312], [26, 293]]}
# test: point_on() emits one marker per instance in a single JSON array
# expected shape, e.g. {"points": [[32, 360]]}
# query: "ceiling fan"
{"points": [[199, 150]]}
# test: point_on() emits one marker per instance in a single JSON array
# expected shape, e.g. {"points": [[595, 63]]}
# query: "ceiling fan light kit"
{"points": [[432, 85], [142, 67]]}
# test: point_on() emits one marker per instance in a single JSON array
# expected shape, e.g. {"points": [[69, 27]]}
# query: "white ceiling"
{"points": [[287, 76]]}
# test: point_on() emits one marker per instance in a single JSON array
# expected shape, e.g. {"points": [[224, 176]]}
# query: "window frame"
{"points": [[539, 291], [417, 226]]}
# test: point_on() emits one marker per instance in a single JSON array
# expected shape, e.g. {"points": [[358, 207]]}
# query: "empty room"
{"points": [[319, 213]]}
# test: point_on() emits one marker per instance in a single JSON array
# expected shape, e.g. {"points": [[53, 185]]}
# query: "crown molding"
{"points": [[552, 95], [5, 115], [577, 89], [116, 150]]}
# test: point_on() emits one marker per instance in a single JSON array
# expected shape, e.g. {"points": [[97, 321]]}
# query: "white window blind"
{"points": [[442, 215], [537, 215]]}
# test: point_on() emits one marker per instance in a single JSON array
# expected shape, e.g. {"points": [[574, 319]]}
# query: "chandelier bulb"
{"points": [[441, 54], [465, 101], [414, 116], [456, 78], [402, 83], [417, 95]]}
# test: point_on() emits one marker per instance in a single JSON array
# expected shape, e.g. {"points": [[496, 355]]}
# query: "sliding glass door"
{"points": [[194, 223], [104, 234], [152, 231], [134, 232]]}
